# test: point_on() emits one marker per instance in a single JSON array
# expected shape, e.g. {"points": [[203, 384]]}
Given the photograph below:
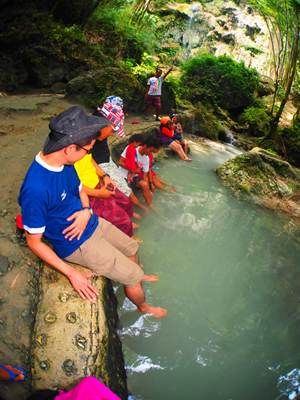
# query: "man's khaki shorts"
{"points": [[106, 253]]}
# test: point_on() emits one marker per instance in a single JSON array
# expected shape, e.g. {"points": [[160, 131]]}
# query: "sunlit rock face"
{"points": [[219, 28], [263, 178]]}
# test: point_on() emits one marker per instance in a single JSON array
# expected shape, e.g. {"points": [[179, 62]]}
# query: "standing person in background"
{"points": [[153, 92]]}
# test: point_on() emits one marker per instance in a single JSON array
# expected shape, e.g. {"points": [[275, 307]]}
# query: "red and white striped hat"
{"points": [[113, 113]]}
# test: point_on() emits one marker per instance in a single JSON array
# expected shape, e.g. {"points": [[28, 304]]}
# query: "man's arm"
{"points": [[167, 73], [147, 90], [78, 279]]}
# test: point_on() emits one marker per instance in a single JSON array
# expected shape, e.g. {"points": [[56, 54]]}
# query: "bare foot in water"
{"points": [[150, 278], [135, 226], [188, 159], [171, 190], [141, 265], [136, 215], [138, 240], [153, 311], [153, 207]]}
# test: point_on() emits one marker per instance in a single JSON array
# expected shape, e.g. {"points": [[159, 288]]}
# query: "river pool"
{"points": [[229, 279]]}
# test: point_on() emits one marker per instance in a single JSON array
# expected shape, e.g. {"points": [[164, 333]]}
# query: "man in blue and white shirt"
{"points": [[54, 206]]}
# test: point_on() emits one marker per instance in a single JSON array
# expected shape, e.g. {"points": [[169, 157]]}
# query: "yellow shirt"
{"points": [[87, 172]]}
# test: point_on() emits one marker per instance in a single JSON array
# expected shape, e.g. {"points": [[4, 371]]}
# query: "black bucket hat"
{"points": [[72, 126]]}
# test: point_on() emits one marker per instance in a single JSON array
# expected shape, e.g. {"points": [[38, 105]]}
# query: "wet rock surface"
{"points": [[263, 178]]}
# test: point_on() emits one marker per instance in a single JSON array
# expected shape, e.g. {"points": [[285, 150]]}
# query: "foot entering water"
{"points": [[150, 278], [138, 240], [135, 226], [136, 215], [153, 311]]}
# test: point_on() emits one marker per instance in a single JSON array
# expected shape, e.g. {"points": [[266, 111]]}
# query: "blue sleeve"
{"points": [[33, 202]]}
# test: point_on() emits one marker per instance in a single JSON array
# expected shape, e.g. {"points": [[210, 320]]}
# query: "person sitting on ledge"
{"points": [[178, 133], [152, 145], [55, 206], [166, 133]]}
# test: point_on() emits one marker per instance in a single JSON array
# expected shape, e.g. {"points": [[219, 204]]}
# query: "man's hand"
{"points": [[83, 287], [76, 229]]}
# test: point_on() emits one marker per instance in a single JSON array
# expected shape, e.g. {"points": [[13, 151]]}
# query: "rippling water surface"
{"points": [[229, 279]]}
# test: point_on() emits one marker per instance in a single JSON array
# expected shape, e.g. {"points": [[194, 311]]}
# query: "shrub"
{"points": [[257, 121], [222, 79]]}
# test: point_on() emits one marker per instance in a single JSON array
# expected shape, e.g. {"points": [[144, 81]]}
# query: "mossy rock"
{"points": [[263, 178]]}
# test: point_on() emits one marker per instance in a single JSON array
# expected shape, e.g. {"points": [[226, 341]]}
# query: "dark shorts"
{"points": [[134, 182], [155, 100]]}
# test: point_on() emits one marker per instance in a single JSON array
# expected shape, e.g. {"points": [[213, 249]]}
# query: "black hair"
{"points": [[158, 69], [154, 141], [137, 137], [87, 141], [46, 394]]}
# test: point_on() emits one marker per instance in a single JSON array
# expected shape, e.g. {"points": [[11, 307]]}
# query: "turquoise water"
{"points": [[229, 279]]}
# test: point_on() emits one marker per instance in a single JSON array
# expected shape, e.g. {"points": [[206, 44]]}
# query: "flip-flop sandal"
{"points": [[13, 376], [135, 122]]}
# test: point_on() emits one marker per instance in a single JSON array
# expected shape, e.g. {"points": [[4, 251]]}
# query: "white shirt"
{"points": [[142, 159], [155, 86]]}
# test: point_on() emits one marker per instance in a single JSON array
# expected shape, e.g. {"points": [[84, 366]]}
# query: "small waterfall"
{"points": [[226, 136], [188, 33]]}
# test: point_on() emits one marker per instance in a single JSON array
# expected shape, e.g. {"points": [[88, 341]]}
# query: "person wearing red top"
{"points": [[166, 133], [131, 161]]}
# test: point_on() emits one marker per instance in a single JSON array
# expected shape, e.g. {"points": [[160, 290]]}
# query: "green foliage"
{"points": [[256, 120], [221, 79], [291, 137], [253, 50], [118, 37]]}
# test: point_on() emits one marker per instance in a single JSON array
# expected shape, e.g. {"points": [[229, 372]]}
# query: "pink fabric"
{"points": [[88, 389], [116, 209]]}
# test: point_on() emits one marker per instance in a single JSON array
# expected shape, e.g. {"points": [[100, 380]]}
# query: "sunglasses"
{"points": [[87, 151]]}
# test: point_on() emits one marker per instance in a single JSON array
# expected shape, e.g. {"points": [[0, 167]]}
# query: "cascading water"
{"points": [[188, 35]]}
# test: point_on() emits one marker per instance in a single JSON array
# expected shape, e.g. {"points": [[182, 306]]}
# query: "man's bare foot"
{"points": [[135, 226], [188, 159], [136, 215], [153, 311], [150, 278], [171, 190], [138, 240]]}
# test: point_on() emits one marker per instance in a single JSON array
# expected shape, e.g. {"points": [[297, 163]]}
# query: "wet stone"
{"points": [[41, 340], [81, 342], [63, 297], [52, 277], [25, 293], [44, 365], [4, 264], [69, 367], [71, 317], [50, 318]]}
